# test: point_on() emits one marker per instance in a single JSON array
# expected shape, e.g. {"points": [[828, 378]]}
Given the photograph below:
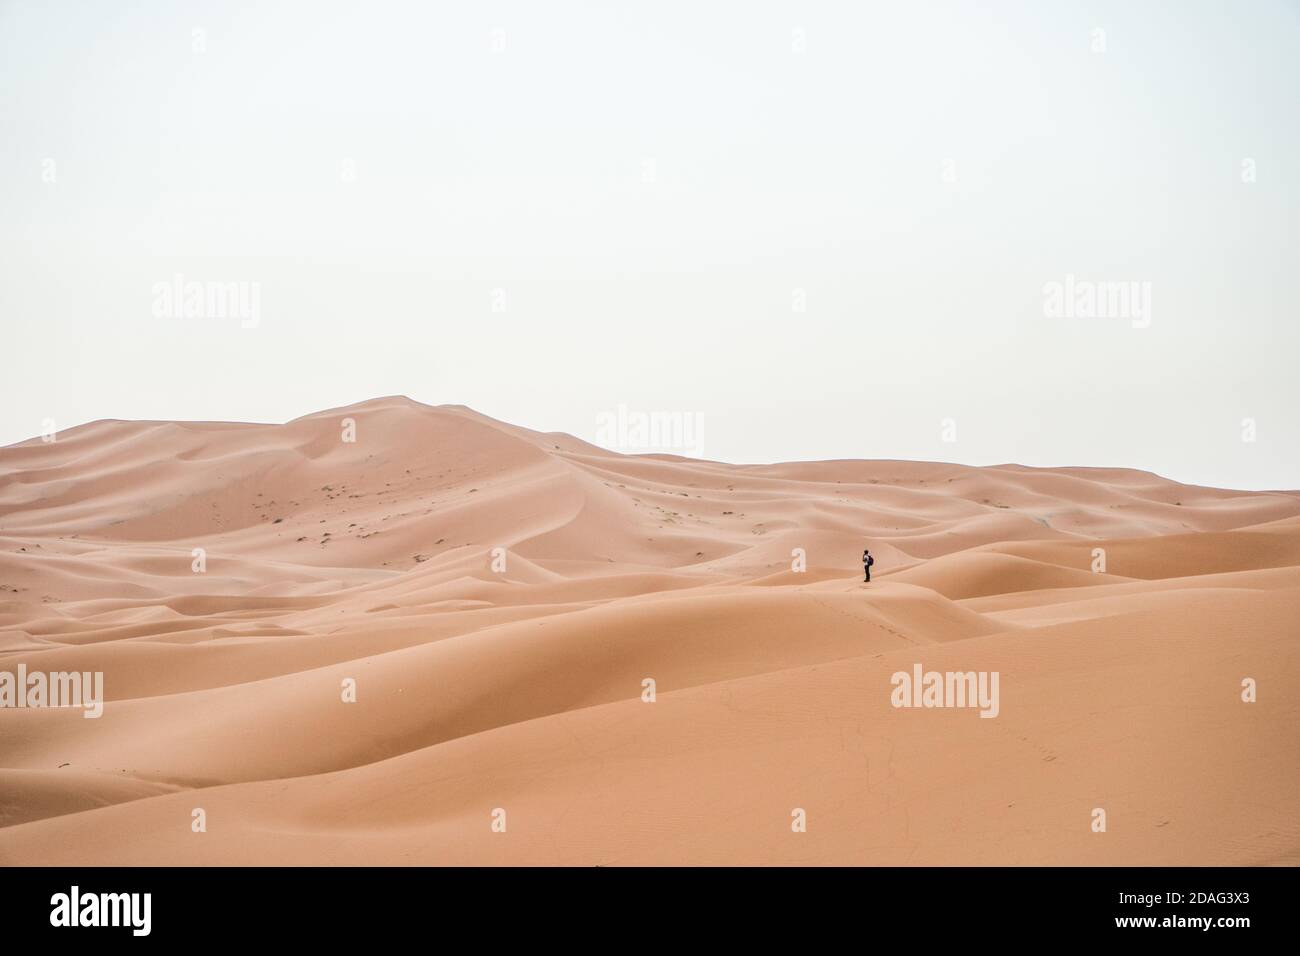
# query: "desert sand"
{"points": [[512, 680]]}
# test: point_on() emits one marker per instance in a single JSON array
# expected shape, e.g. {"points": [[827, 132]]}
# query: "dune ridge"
{"points": [[500, 595]]}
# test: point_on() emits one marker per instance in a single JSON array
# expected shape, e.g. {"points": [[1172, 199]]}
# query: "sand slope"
{"points": [[480, 687]]}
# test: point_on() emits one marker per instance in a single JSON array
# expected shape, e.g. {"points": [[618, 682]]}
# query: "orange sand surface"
{"points": [[512, 680]]}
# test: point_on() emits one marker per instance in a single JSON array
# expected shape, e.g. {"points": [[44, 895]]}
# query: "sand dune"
{"points": [[500, 596]]}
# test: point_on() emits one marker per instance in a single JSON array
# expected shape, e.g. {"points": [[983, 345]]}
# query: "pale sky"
{"points": [[546, 211]]}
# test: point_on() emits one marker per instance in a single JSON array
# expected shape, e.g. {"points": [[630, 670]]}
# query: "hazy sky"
{"points": [[821, 230]]}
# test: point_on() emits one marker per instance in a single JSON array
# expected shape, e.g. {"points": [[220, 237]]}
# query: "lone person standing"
{"points": [[867, 562]]}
